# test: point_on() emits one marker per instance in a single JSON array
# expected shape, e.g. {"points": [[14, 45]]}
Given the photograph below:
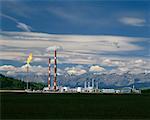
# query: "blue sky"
{"points": [[84, 32], [78, 17]]}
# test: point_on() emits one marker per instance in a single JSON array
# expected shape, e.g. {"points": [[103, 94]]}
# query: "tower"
{"points": [[27, 76], [88, 84], [55, 70], [49, 73], [96, 85], [92, 83]]}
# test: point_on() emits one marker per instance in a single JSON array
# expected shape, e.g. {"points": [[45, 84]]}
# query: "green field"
{"points": [[77, 106]]}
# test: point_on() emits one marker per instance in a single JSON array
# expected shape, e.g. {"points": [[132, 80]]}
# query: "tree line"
{"points": [[11, 83]]}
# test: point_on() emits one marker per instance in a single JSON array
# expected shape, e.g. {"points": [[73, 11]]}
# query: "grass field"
{"points": [[74, 106]]}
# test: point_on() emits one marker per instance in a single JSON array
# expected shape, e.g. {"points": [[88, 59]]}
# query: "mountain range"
{"points": [[112, 80]]}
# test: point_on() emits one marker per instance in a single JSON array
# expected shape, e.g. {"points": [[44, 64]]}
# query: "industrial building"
{"points": [[89, 86], [108, 90]]}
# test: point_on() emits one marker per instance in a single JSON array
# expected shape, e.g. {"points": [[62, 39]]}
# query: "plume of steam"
{"points": [[52, 48], [29, 58]]}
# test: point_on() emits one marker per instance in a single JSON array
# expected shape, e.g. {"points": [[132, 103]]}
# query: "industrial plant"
{"points": [[89, 86]]}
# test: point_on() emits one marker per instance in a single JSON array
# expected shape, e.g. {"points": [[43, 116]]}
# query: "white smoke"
{"points": [[52, 48]]}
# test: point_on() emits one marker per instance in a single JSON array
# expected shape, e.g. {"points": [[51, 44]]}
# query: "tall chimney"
{"points": [[88, 84], [49, 73], [55, 70], [96, 85], [133, 87], [92, 83], [27, 77]]}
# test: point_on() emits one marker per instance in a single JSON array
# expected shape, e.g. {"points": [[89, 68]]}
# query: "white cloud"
{"points": [[75, 71], [7, 68], [11, 73], [96, 68], [132, 21], [38, 70], [112, 62], [107, 62], [131, 65], [9, 17], [20, 25], [139, 61], [118, 65], [123, 69], [35, 69], [24, 27], [37, 59], [25, 66]]}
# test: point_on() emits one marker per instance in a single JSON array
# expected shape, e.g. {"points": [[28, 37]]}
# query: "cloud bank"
{"points": [[93, 51], [80, 49]]}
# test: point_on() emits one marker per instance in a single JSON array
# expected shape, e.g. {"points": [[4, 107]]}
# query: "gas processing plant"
{"points": [[89, 86]]}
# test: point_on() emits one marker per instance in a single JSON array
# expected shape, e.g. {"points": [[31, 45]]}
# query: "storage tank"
{"points": [[117, 91], [79, 89]]}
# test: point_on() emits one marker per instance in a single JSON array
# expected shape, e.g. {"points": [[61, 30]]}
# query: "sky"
{"points": [[93, 35]]}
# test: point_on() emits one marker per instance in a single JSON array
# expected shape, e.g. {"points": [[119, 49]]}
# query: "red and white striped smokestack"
{"points": [[49, 73], [55, 70]]}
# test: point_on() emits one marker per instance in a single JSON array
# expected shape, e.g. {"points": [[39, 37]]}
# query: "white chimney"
{"points": [[96, 85], [92, 83], [88, 84]]}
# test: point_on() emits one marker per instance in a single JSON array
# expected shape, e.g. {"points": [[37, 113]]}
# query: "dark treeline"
{"points": [[145, 91], [11, 83]]}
